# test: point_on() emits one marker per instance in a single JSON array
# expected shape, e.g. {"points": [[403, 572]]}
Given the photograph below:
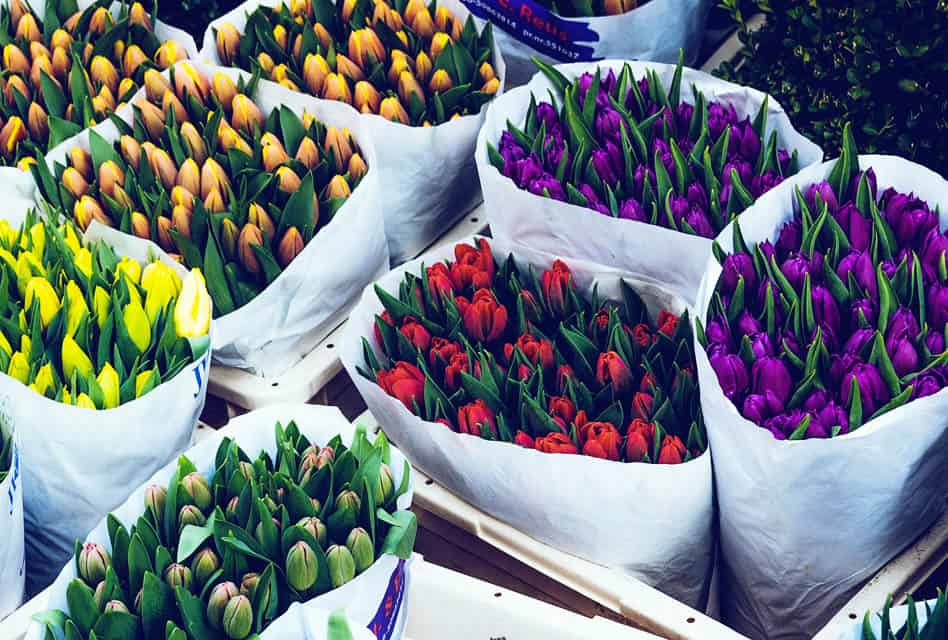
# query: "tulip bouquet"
{"points": [[401, 63], [67, 68], [211, 179], [81, 326], [224, 553], [498, 353], [843, 319]]}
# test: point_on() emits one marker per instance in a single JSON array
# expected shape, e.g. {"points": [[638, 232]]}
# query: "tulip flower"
{"points": [[555, 443]]}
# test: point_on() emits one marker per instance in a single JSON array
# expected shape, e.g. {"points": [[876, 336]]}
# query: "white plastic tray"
{"points": [[243, 390]]}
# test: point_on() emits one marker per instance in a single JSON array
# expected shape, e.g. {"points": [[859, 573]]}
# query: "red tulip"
{"points": [[524, 372], [580, 420], [417, 335], [485, 319], [648, 383], [476, 419], [642, 405], [442, 350], [524, 440], [555, 443], [536, 351], [452, 372], [600, 321], [673, 451], [405, 382], [562, 410], [556, 284], [439, 281], [612, 370], [472, 266], [602, 441], [387, 319], [564, 373], [638, 442], [641, 334], [667, 323]]}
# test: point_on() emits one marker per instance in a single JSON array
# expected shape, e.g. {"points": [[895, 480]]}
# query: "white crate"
{"points": [[243, 390]]}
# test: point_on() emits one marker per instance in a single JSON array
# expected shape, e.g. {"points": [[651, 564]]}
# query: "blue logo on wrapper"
{"points": [[383, 624], [536, 26]]}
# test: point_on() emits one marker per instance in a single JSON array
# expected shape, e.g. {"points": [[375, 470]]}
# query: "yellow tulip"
{"points": [[75, 359], [40, 289], [192, 312], [7, 257], [76, 308], [7, 234], [161, 285], [19, 367], [66, 397], [71, 239], [25, 342], [85, 402], [83, 262], [37, 237], [5, 345], [137, 325], [43, 380], [109, 382], [145, 382], [100, 304], [130, 268]]}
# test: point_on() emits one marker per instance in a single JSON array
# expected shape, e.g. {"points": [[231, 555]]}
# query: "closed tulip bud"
{"points": [[315, 528], [152, 117], [156, 85], [163, 167], [273, 153], [336, 87], [213, 177], [246, 116], [165, 240], [422, 24], [491, 86], [423, 66], [142, 381], [194, 142], [400, 63], [171, 103], [188, 81], [75, 359], [80, 159], [438, 42], [229, 233], [133, 59], [408, 86], [61, 63], [249, 235], [19, 368], [616, 7], [138, 15], [238, 618], [102, 105], [287, 180], [41, 64], [100, 22], [183, 197], [131, 152], [16, 84], [109, 382], [126, 89], [224, 89], [189, 177], [39, 289], [104, 72], [357, 167], [169, 53], [189, 515], [110, 176], [221, 594], [341, 565], [348, 69], [412, 9], [93, 562], [204, 565], [248, 584], [307, 153], [385, 14], [155, 496], [348, 6], [365, 97], [338, 188], [301, 566], [290, 246], [14, 60], [440, 81], [391, 109], [13, 132], [338, 143], [360, 546], [193, 309], [281, 36], [137, 325], [74, 183], [259, 217], [27, 28], [266, 62], [87, 52], [230, 139], [17, 10], [178, 575], [214, 202], [228, 43], [315, 71], [348, 501], [115, 606]]}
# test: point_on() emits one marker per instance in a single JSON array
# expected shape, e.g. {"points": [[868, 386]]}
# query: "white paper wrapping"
{"points": [[656, 253], [12, 558], [654, 31], [426, 173], [804, 524], [370, 596], [304, 304], [618, 515]]}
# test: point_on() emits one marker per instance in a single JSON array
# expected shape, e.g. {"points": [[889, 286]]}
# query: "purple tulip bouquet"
{"points": [[823, 322], [611, 145]]}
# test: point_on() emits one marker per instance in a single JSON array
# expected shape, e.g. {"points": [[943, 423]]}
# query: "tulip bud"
{"points": [[178, 575], [365, 97], [60, 39], [189, 515], [27, 28], [348, 500], [265, 61], [422, 24], [316, 529], [103, 71], [348, 6], [61, 63], [169, 53], [287, 180], [75, 359], [301, 566], [360, 546], [189, 177], [290, 246], [223, 89], [338, 188], [204, 565], [133, 59], [163, 167], [439, 42], [110, 176], [94, 560], [228, 43], [113, 606], [13, 132], [238, 618], [229, 233], [137, 325], [400, 63], [138, 15], [213, 177], [248, 584], [341, 565], [140, 225], [109, 382], [194, 142], [17, 11], [336, 87], [39, 289], [221, 594], [197, 488], [423, 66], [230, 139], [440, 81], [258, 216], [75, 184], [249, 235], [171, 103], [391, 109], [617, 7], [156, 85], [16, 84], [152, 117], [131, 152], [155, 500], [100, 22], [408, 85], [338, 143], [126, 90], [308, 153], [192, 312], [491, 86], [188, 81], [273, 153], [14, 60], [246, 115], [41, 64], [315, 70], [165, 240], [214, 202]]}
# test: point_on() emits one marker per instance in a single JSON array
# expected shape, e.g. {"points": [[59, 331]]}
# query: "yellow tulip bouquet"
{"points": [[83, 326], [70, 69]]}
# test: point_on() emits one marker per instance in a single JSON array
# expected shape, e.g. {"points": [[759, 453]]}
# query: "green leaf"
{"points": [[82, 607], [400, 539]]}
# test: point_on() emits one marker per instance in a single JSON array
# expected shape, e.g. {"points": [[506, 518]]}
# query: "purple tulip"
{"points": [[825, 307], [912, 225], [858, 228], [935, 342], [679, 207], [631, 210], [585, 82], [788, 342], [934, 246], [664, 151], [683, 115], [854, 184], [698, 220], [555, 148], [732, 375], [697, 196], [795, 268], [744, 170], [783, 425], [859, 339], [547, 114], [602, 164], [717, 332], [868, 308], [761, 345], [758, 408], [817, 399], [589, 193], [748, 325], [825, 419], [936, 303], [771, 374], [840, 366], [768, 249], [527, 170], [889, 268], [547, 184], [903, 323], [765, 182], [860, 265], [894, 204], [719, 118], [873, 392], [904, 357], [745, 141], [608, 125], [736, 266], [791, 235], [828, 336], [825, 191], [642, 173], [930, 382]]}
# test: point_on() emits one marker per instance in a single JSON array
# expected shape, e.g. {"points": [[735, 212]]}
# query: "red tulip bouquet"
{"points": [[616, 162], [822, 325], [481, 367], [419, 74]]}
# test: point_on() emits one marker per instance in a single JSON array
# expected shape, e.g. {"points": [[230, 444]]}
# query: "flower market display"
{"points": [[11, 523], [232, 537], [404, 63], [482, 362], [235, 179], [65, 68], [426, 72], [496, 353], [922, 621], [824, 345], [625, 141]]}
